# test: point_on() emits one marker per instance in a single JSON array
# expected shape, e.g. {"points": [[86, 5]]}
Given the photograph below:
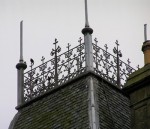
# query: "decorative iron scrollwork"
{"points": [[60, 69], [64, 67], [110, 67]]}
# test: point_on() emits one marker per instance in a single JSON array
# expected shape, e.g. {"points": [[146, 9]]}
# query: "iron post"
{"points": [[21, 66]]}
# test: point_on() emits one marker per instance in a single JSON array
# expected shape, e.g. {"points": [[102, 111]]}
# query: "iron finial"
{"points": [[116, 49], [106, 47], [128, 61], [117, 43], [56, 50], [96, 41], [21, 66], [87, 28], [21, 41], [86, 15], [43, 58], [56, 41], [68, 46], [119, 54], [145, 32], [80, 39]]}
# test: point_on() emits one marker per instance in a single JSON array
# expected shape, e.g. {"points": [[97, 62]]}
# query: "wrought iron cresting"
{"points": [[117, 61], [110, 67], [54, 72], [64, 67]]}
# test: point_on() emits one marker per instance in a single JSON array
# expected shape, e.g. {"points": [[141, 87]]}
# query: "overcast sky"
{"points": [[45, 20]]}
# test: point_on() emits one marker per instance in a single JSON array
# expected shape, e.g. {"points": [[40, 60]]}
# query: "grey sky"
{"points": [[45, 20]]}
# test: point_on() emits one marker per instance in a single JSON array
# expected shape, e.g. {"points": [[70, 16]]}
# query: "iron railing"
{"points": [[54, 72], [110, 67], [64, 67]]}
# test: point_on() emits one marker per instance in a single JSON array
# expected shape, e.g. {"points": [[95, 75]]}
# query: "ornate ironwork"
{"points": [[64, 67], [54, 72], [110, 67], [56, 60], [118, 62]]}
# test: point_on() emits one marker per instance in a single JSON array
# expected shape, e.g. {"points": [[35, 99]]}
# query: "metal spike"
{"points": [[86, 15], [145, 32], [21, 41]]}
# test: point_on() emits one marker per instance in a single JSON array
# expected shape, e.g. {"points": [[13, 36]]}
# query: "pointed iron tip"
{"points": [[86, 15], [145, 32], [21, 22], [21, 41], [87, 28]]}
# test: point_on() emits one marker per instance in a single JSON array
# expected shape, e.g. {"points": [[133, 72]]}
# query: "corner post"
{"points": [[87, 32], [88, 48], [20, 82], [93, 106], [21, 66]]}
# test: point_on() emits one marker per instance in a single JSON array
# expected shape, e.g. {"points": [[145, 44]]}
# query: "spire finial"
{"points": [[87, 28], [21, 41], [86, 15], [145, 32], [21, 66]]}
